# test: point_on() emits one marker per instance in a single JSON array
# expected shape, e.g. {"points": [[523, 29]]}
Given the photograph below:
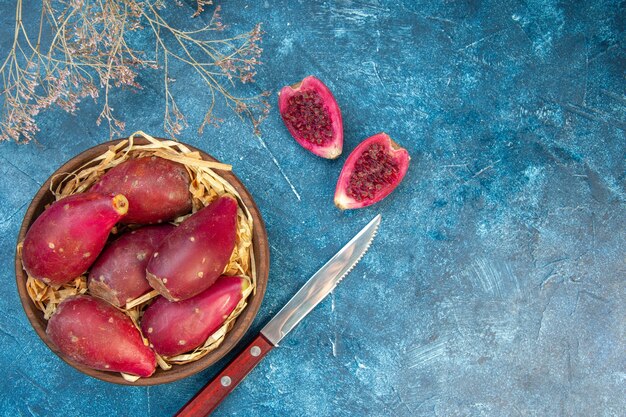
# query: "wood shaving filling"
{"points": [[206, 185]]}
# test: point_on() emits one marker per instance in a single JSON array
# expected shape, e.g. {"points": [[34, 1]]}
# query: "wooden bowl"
{"points": [[242, 323]]}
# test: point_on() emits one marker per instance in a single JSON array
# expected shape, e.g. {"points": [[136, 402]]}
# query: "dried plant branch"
{"points": [[200, 6], [89, 54]]}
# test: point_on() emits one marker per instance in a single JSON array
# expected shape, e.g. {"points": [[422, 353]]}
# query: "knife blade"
{"points": [[301, 304]]}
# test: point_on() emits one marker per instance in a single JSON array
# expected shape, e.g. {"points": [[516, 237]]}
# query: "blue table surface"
{"points": [[496, 284]]}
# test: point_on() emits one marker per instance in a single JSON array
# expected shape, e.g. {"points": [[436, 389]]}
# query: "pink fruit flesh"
{"points": [[312, 116], [67, 237], [195, 254], [95, 334], [178, 327], [119, 273], [157, 189], [371, 172]]}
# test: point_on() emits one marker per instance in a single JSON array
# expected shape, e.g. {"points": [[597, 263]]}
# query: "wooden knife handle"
{"points": [[215, 391]]}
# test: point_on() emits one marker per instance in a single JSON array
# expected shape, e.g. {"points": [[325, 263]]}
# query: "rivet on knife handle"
{"points": [[310, 295], [215, 391]]}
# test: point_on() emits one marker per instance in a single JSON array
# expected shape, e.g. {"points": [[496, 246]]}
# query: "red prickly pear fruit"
{"points": [[157, 189], [312, 116], [68, 236], [371, 172], [93, 333], [178, 327], [196, 253], [119, 274]]}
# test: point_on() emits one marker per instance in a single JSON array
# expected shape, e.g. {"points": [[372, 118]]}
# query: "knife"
{"points": [[315, 290]]}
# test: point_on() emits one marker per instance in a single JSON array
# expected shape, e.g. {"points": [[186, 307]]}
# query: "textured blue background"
{"points": [[496, 284]]}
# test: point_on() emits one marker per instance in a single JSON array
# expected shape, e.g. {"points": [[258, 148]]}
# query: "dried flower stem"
{"points": [[89, 54]]}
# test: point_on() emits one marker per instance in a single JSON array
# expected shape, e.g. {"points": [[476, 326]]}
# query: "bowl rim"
{"points": [[233, 337]]}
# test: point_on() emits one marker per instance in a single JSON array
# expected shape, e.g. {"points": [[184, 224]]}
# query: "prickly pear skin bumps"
{"points": [[68, 236], [193, 256], [157, 189], [119, 273], [95, 334], [178, 327]]}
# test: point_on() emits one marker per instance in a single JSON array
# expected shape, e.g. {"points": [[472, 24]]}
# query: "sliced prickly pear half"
{"points": [[371, 172], [93, 333], [68, 236], [178, 327], [157, 189], [196, 253], [312, 116], [119, 274]]}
